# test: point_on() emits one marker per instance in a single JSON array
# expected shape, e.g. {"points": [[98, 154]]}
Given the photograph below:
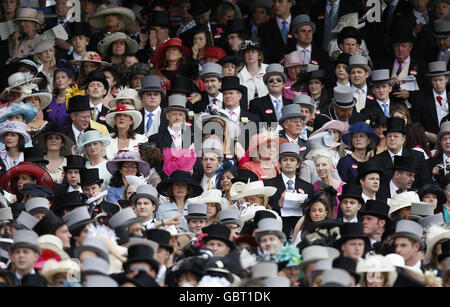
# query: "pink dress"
{"points": [[339, 192]]}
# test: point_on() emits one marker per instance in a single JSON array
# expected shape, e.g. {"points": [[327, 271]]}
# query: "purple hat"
{"points": [[16, 127], [128, 156]]}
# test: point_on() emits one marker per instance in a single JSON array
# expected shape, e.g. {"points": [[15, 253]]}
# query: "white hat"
{"points": [[126, 93], [52, 267], [32, 90], [434, 234], [135, 114], [402, 200], [209, 196], [53, 243], [399, 262], [377, 263], [255, 188]]}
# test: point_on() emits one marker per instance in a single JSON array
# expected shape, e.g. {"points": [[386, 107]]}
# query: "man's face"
{"points": [[231, 98], [405, 248], [353, 248], [395, 141], [144, 207], [260, 15], [196, 225], [371, 182], [445, 142], [64, 234], [349, 45], [382, 91], [92, 190], [372, 225], [443, 43], [136, 81], [79, 43], [61, 8], [402, 50], [234, 41], [210, 163], [219, 248], [73, 177], [343, 114], [281, 8], [81, 119], [439, 83], [403, 179], [270, 243], [151, 100], [23, 259], [350, 207], [358, 76], [83, 235], [289, 164], [442, 10], [175, 117], [307, 112], [212, 85], [419, 5], [275, 85], [162, 34], [304, 35], [162, 255], [294, 126]]}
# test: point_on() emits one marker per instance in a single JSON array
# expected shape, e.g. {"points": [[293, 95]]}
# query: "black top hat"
{"points": [[348, 264], [49, 224], [68, 201], [445, 246], [377, 208], [34, 280], [352, 231], [395, 124], [141, 253], [122, 234], [352, 191], [263, 214], [79, 103], [179, 176], [403, 37], [180, 84], [90, 176], [378, 120], [349, 32], [236, 25], [404, 163], [160, 236], [75, 162], [231, 83], [368, 167], [218, 232], [97, 75], [79, 28], [35, 189], [34, 154], [244, 175], [139, 69], [198, 7], [160, 19], [343, 58]]}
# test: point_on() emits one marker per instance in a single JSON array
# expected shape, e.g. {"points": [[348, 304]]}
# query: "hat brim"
{"points": [[82, 149], [44, 99], [344, 105], [34, 247], [97, 20], [163, 186], [365, 67], [113, 103], [113, 166], [66, 150], [136, 196], [410, 236], [279, 234], [97, 250], [266, 191], [214, 237], [292, 115], [274, 73], [135, 115], [103, 46], [7, 180]]}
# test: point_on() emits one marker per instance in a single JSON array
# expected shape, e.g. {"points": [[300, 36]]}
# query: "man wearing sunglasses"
{"points": [[269, 107]]}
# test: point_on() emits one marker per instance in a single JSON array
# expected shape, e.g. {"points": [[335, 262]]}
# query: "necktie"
{"points": [[398, 191], [149, 122], [385, 109], [391, 9], [94, 114], [278, 107], [284, 30], [214, 100], [79, 137], [439, 100], [425, 17], [400, 68], [294, 141], [290, 186], [305, 56], [210, 184], [360, 103]]}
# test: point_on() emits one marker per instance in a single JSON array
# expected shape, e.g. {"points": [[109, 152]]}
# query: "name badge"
{"points": [[102, 118], [269, 111], [301, 191], [413, 72], [370, 97], [314, 62], [354, 166]]}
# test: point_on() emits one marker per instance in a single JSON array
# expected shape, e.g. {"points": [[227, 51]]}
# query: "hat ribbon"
{"points": [[72, 92], [121, 107]]}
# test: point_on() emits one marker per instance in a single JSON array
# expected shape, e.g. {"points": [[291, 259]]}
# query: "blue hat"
{"points": [[360, 127], [26, 109]]}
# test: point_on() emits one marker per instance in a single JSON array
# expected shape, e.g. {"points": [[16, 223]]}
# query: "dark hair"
{"points": [[222, 8], [401, 109], [116, 179], [318, 196], [209, 41], [20, 143], [416, 137], [114, 73], [188, 194], [369, 147], [152, 156], [110, 53], [130, 133], [56, 91]]}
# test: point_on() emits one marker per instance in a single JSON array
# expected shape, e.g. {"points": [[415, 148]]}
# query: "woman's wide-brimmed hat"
{"points": [[255, 188], [53, 128], [377, 263], [32, 90], [332, 124], [128, 156], [97, 20], [89, 137], [360, 127], [90, 56], [41, 46], [434, 234], [321, 141], [29, 14], [160, 53], [21, 78], [135, 114], [212, 112], [179, 177], [126, 93], [105, 43], [264, 137], [53, 267], [16, 127], [28, 111], [53, 243]]}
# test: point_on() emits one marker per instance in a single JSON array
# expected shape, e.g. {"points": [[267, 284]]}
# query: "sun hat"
{"points": [[15, 127], [377, 263], [53, 128], [126, 93], [255, 188], [89, 137], [434, 234], [29, 14], [160, 53], [179, 177], [135, 114], [8, 181], [90, 56], [28, 111], [97, 19], [52, 267], [128, 156], [104, 45], [208, 196], [54, 244], [363, 128], [32, 90]]}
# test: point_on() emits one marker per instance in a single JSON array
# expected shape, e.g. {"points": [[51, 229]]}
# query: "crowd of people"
{"points": [[225, 143]]}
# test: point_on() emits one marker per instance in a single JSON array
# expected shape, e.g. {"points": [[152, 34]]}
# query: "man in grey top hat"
{"points": [[153, 116], [211, 76], [359, 71], [293, 122], [196, 217], [261, 12]]}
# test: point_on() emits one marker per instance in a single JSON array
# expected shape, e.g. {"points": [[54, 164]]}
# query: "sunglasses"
{"points": [[272, 80]]}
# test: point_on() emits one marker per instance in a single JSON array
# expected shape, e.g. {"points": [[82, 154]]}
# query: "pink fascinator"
{"points": [[178, 159]]}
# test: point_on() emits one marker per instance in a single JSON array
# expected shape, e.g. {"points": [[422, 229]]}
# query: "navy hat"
{"points": [[35, 189], [360, 127]]}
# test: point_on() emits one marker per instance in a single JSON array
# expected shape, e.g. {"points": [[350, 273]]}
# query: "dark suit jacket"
{"points": [[422, 172], [417, 66], [389, 23], [200, 106], [303, 145], [163, 122], [71, 135], [373, 109], [263, 107], [272, 40], [384, 192], [321, 119], [281, 187]]}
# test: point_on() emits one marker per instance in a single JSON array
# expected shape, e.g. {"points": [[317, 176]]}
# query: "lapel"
{"points": [[268, 105], [276, 32], [432, 106]]}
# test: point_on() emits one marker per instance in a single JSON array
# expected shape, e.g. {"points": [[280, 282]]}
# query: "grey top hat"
{"points": [[146, 191], [196, 211], [6, 214], [230, 216], [343, 96], [291, 111], [77, 217], [211, 70], [443, 130], [211, 145], [312, 254], [441, 28], [96, 266], [177, 103], [409, 229], [27, 220], [336, 278], [95, 281], [37, 204], [265, 270], [277, 282], [306, 101], [151, 83], [94, 244], [289, 149], [420, 210], [437, 68], [436, 219], [274, 69], [380, 76], [142, 241], [270, 226], [301, 20], [124, 217], [358, 61], [26, 238]]}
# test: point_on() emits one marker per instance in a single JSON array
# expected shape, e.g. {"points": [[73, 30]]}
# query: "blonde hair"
{"points": [[52, 65]]}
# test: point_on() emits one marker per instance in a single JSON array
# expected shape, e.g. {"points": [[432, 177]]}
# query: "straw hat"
{"points": [[126, 93], [90, 56], [105, 43], [32, 90], [52, 267], [97, 20], [434, 234], [210, 196], [255, 188], [29, 14], [135, 114]]}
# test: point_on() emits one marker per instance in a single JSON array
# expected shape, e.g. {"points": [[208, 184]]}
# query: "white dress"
{"points": [[113, 148], [254, 84]]}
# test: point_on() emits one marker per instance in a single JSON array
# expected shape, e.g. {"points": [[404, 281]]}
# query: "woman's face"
{"points": [[292, 273], [173, 54], [34, 100], [315, 86], [130, 190], [129, 169], [268, 150], [360, 140], [341, 72], [255, 200], [229, 69], [200, 40], [94, 149], [318, 212], [22, 179], [47, 55], [119, 47], [27, 26], [251, 56], [89, 67], [179, 189], [54, 142], [112, 20], [62, 80], [337, 135], [293, 71], [379, 131], [111, 81], [430, 198], [11, 139], [323, 167], [17, 118], [375, 279], [225, 182], [9, 6], [211, 209], [123, 121]]}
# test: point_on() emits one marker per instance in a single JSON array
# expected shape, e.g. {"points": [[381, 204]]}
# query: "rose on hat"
{"points": [[129, 110], [90, 56]]}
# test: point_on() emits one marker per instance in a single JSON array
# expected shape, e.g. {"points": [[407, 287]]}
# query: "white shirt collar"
{"points": [[354, 220], [286, 178], [309, 48], [155, 112], [99, 106], [398, 154], [443, 95], [355, 89], [393, 188]]}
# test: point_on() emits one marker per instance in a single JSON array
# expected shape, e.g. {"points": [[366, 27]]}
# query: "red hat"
{"points": [[160, 54], [213, 52], [8, 181]]}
